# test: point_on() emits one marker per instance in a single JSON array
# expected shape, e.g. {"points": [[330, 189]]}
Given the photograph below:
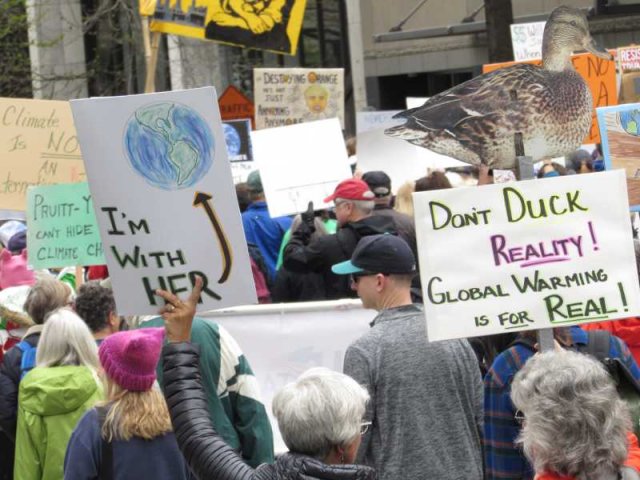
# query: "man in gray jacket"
{"points": [[426, 398]]}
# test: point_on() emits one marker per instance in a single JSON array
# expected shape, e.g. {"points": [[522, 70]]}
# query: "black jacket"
{"points": [[9, 383], [324, 252], [208, 455]]}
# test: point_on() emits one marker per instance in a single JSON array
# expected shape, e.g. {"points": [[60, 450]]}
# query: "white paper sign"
{"points": [[300, 164], [527, 40], [400, 160], [366, 121], [415, 102], [164, 198], [527, 255]]}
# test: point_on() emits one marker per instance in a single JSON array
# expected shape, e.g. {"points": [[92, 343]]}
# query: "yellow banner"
{"points": [[38, 146], [272, 25]]}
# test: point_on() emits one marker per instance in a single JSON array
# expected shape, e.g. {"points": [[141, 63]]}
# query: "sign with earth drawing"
{"points": [[272, 25], [164, 199], [534, 254]]}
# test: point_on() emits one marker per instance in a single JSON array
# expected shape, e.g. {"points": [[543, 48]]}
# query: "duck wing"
{"points": [[487, 95]]}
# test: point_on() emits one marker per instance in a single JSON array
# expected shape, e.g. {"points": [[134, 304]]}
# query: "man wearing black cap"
{"points": [[380, 184], [426, 398]]}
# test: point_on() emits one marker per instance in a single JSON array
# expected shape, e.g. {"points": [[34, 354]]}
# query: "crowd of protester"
{"points": [[88, 394]]}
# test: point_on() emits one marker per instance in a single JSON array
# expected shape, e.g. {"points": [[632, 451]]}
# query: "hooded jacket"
{"points": [[50, 403], [207, 453], [319, 255]]}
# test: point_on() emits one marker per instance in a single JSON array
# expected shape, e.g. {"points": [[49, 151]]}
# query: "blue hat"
{"points": [[379, 254]]}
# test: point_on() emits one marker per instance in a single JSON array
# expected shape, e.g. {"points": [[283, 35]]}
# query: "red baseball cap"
{"points": [[352, 189]]}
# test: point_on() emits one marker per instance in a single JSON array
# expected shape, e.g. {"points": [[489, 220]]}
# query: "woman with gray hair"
{"points": [[319, 415], [574, 424]]}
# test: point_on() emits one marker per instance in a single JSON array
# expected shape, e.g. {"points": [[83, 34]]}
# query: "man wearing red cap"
{"points": [[354, 203]]}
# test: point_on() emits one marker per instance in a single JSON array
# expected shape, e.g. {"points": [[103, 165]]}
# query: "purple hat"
{"points": [[130, 358], [18, 242]]}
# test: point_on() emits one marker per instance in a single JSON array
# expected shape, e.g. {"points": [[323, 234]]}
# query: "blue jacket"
{"points": [[135, 459], [265, 232], [503, 459]]}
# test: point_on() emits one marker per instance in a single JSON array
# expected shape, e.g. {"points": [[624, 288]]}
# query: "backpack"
{"points": [[628, 387], [28, 357]]}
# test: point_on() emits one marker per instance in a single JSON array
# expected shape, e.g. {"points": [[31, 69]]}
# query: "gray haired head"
{"points": [[320, 410], [575, 423]]}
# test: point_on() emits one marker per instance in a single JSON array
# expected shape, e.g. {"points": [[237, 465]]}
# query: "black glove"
{"points": [[308, 219]]}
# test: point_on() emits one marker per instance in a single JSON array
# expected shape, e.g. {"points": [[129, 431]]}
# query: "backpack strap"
{"points": [[28, 360], [106, 465], [597, 346]]}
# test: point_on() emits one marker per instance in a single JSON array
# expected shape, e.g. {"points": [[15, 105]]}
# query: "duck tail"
{"points": [[401, 131]]}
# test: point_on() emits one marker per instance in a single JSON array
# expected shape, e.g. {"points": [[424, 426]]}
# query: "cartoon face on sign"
{"points": [[169, 145], [316, 97]]}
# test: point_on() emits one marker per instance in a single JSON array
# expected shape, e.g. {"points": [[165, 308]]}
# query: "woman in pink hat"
{"points": [[130, 435]]}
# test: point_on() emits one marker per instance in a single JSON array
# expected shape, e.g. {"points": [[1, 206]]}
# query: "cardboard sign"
{"points": [[620, 133], [629, 58], [272, 25], [366, 121], [629, 67], [166, 206], [286, 96], [535, 254], [300, 164], [39, 147], [600, 76], [234, 105], [526, 39], [62, 227]]}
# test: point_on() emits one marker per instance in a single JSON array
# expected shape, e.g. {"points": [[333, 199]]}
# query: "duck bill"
{"points": [[592, 47]]}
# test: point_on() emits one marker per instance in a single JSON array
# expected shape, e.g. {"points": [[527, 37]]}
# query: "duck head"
{"points": [[567, 31]]}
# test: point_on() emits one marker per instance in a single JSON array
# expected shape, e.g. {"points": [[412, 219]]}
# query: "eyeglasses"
{"points": [[519, 417], [355, 277], [364, 427]]}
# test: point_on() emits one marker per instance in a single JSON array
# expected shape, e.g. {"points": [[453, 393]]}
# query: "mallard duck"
{"points": [[550, 105]]}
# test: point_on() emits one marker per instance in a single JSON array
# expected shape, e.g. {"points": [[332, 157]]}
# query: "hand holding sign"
{"points": [[178, 315]]}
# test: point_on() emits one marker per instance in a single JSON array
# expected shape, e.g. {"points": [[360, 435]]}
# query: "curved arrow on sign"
{"points": [[202, 199]]}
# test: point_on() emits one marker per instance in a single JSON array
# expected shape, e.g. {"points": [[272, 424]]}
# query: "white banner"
{"points": [[527, 255], [300, 164], [164, 198], [282, 341], [286, 96]]}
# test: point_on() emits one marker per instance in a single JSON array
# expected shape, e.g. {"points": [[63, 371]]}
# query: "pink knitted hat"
{"points": [[14, 271], [130, 358]]}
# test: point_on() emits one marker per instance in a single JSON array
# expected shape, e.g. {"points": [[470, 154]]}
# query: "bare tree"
{"points": [[499, 15]]}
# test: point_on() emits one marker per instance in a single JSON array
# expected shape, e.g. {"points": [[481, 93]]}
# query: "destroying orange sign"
{"points": [[600, 76]]}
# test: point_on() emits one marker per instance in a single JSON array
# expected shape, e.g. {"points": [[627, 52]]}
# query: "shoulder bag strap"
{"points": [[106, 466]]}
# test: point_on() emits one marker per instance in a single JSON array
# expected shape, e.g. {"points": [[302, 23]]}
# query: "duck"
{"points": [[550, 105]]}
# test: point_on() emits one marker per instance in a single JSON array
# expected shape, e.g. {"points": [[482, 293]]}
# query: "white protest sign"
{"points": [[415, 102], [164, 198], [300, 164], [526, 39], [286, 96], [283, 341], [529, 255], [400, 160], [366, 121]]}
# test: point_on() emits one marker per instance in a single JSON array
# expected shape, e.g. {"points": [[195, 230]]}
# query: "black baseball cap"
{"points": [[383, 253], [379, 183]]}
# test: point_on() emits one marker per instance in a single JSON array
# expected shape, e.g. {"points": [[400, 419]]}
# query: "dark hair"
{"points": [[555, 166], [434, 181], [93, 304], [244, 199]]}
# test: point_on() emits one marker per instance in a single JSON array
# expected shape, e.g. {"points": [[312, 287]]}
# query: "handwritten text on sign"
{"points": [[38, 146], [62, 227], [600, 76], [535, 254]]}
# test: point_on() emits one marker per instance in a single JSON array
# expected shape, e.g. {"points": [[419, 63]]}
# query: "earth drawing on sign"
{"points": [[169, 145]]}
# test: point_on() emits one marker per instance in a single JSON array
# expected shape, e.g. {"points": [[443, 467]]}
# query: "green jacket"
{"points": [[50, 403], [236, 409]]}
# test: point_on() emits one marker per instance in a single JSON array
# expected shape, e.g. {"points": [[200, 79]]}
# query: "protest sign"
{"points": [[39, 147], [402, 161], [620, 133], [286, 96], [272, 25], [62, 227], [530, 255], [526, 39], [237, 135], [300, 164], [415, 102], [600, 75], [629, 68], [366, 121], [234, 105], [164, 199]]}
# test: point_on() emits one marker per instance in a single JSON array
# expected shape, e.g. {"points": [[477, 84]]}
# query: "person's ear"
{"points": [[380, 282]]}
